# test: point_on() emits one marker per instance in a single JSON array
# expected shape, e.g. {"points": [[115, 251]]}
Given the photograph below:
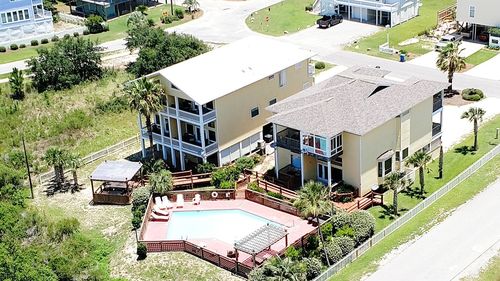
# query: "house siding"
{"points": [[486, 12]]}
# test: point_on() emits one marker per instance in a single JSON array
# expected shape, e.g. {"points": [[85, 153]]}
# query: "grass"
{"points": [[425, 21], [490, 272], [287, 16], [67, 118], [455, 162], [327, 66], [117, 30], [480, 56]]}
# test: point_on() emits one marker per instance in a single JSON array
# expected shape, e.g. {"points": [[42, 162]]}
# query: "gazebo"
{"points": [[118, 179], [259, 240]]}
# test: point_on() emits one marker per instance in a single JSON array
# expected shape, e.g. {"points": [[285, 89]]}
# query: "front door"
{"points": [[322, 172]]}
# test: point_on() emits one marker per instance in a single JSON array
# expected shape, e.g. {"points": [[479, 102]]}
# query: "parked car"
{"points": [[327, 21], [447, 39]]}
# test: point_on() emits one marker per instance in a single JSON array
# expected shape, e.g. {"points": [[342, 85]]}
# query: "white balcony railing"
{"points": [[371, 4], [191, 117]]}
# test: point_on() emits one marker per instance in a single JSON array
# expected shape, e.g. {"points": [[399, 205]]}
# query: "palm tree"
{"points": [[285, 270], [161, 182], [314, 201], [441, 162], [74, 162], [474, 114], [420, 160], [58, 158], [449, 60], [395, 181], [16, 81], [192, 5], [147, 97]]}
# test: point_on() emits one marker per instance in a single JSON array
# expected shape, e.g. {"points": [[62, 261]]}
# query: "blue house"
{"points": [[107, 8], [23, 19]]}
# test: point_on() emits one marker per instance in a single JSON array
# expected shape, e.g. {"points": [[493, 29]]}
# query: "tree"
{"points": [[57, 158], [16, 82], [191, 5], [285, 270], [441, 162], [74, 162], [69, 62], [146, 97], [396, 182], [161, 182], [94, 24], [138, 20], [449, 60], [420, 160], [475, 115], [314, 201]]}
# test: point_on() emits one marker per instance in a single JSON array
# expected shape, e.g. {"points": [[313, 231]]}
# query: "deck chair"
{"points": [[180, 201], [155, 217], [167, 202], [197, 199], [160, 211], [159, 203]]}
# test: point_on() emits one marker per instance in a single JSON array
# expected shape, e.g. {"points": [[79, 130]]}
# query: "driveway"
{"points": [[429, 59], [488, 69], [464, 240]]}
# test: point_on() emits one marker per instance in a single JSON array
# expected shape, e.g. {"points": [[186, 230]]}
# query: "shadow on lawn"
{"points": [[414, 192], [464, 150], [388, 212]]}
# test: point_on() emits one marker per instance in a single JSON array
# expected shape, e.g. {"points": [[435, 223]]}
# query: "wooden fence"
{"points": [[271, 202], [447, 14]]}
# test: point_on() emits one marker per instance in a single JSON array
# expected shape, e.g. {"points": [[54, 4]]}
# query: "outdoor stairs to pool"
{"points": [[362, 203]]}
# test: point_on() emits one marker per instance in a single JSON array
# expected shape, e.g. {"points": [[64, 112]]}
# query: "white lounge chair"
{"points": [[159, 211], [197, 199], [180, 201], [159, 203], [167, 202], [155, 217]]}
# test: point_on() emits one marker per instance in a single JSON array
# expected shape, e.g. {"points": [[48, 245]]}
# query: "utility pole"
{"points": [[28, 167]]}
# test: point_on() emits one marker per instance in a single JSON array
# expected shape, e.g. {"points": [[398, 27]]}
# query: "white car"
{"points": [[447, 39]]}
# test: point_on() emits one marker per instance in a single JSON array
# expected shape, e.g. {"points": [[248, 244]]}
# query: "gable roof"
{"points": [[355, 101], [221, 71]]}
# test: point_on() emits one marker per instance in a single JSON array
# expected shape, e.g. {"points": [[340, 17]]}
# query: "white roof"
{"points": [[231, 67]]}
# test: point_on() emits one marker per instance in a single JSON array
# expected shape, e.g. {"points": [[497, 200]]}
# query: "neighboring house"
{"points": [[107, 8], [378, 12], [22, 19], [216, 101], [479, 16], [356, 127]]}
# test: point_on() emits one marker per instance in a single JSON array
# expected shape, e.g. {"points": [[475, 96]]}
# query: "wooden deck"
{"points": [[187, 178]]}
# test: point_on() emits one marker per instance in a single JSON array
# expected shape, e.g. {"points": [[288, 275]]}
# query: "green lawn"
{"points": [[455, 162], [490, 272], [480, 56], [287, 16], [427, 20], [117, 30], [327, 66]]}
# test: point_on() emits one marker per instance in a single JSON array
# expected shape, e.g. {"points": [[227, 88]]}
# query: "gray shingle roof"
{"points": [[355, 101]]}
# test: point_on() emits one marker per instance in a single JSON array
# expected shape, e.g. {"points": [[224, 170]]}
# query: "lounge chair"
{"points": [[180, 201], [155, 217], [197, 199], [167, 202], [159, 211], [159, 203]]}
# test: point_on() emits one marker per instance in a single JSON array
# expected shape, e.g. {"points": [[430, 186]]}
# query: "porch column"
{"points": [[202, 133], [349, 12], [301, 159], [329, 172], [179, 132], [276, 164], [139, 124], [162, 131], [376, 17], [329, 162]]}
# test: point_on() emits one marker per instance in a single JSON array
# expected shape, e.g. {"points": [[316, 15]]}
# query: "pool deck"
{"points": [[296, 226]]}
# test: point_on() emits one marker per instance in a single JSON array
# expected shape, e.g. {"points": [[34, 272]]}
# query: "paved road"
{"points": [[449, 249]]}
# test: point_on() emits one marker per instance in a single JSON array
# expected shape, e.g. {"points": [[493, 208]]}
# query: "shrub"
{"points": [[227, 185], [293, 253], [205, 168], [14, 47], [140, 198], [227, 173], [340, 219], [245, 163], [309, 8], [472, 94], [363, 224], [86, 32], [44, 41], [345, 231], [332, 251], [327, 230], [94, 24], [319, 65], [345, 243], [276, 195], [179, 13], [3, 49], [312, 244], [64, 228], [255, 187], [34, 42], [116, 104], [313, 267], [55, 38], [166, 19], [66, 36], [142, 251], [76, 34], [22, 46]]}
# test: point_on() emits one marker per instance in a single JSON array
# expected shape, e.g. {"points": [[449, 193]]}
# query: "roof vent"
{"points": [[378, 89]]}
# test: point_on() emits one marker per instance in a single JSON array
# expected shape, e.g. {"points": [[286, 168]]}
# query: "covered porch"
{"points": [[116, 180]]}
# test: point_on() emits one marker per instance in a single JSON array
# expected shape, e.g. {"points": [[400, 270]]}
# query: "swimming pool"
{"points": [[225, 225]]}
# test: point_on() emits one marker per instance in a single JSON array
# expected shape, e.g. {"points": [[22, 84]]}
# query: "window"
{"points": [[472, 11], [271, 77], [21, 15], [397, 156], [405, 153], [4, 18], [273, 101], [9, 17], [14, 14], [380, 169], [211, 135], [384, 167], [282, 78], [26, 14], [254, 112], [494, 41]]}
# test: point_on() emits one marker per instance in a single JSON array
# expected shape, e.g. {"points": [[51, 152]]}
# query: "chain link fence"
{"points": [[407, 216]]}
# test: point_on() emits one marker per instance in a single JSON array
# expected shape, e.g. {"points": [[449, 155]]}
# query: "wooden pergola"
{"points": [[118, 179], [261, 239]]}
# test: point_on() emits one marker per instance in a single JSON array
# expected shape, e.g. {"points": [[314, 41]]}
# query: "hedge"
{"points": [[472, 94]]}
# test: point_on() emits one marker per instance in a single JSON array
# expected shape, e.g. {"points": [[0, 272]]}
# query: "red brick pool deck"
{"points": [[295, 226]]}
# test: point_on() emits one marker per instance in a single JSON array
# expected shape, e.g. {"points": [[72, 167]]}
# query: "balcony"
{"points": [[192, 116], [289, 139], [436, 129], [437, 104], [189, 144], [42, 14]]}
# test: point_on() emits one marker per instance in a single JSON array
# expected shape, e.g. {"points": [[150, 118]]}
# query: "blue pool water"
{"points": [[225, 225]]}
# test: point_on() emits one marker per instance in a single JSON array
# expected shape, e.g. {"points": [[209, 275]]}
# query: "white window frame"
{"points": [[251, 112], [282, 78], [383, 167], [472, 11], [272, 101]]}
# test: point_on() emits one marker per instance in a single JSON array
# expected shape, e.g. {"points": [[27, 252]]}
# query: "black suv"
{"points": [[327, 21]]}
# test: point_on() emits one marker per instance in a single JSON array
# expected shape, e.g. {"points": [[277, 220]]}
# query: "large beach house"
{"points": [[23, 19], [216, 101], [356, 127]]}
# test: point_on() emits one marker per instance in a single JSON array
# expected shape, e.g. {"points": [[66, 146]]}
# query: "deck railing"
{"points": [[360, 250], [271, 202]]}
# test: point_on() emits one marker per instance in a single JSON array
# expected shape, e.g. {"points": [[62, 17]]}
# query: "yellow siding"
{"points": [[309, 168], [284, 157], [421, 125], [351, 159], [234, 122]]}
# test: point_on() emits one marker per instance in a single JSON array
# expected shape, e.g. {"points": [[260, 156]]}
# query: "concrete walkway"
{"points": [[450, 249]]}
